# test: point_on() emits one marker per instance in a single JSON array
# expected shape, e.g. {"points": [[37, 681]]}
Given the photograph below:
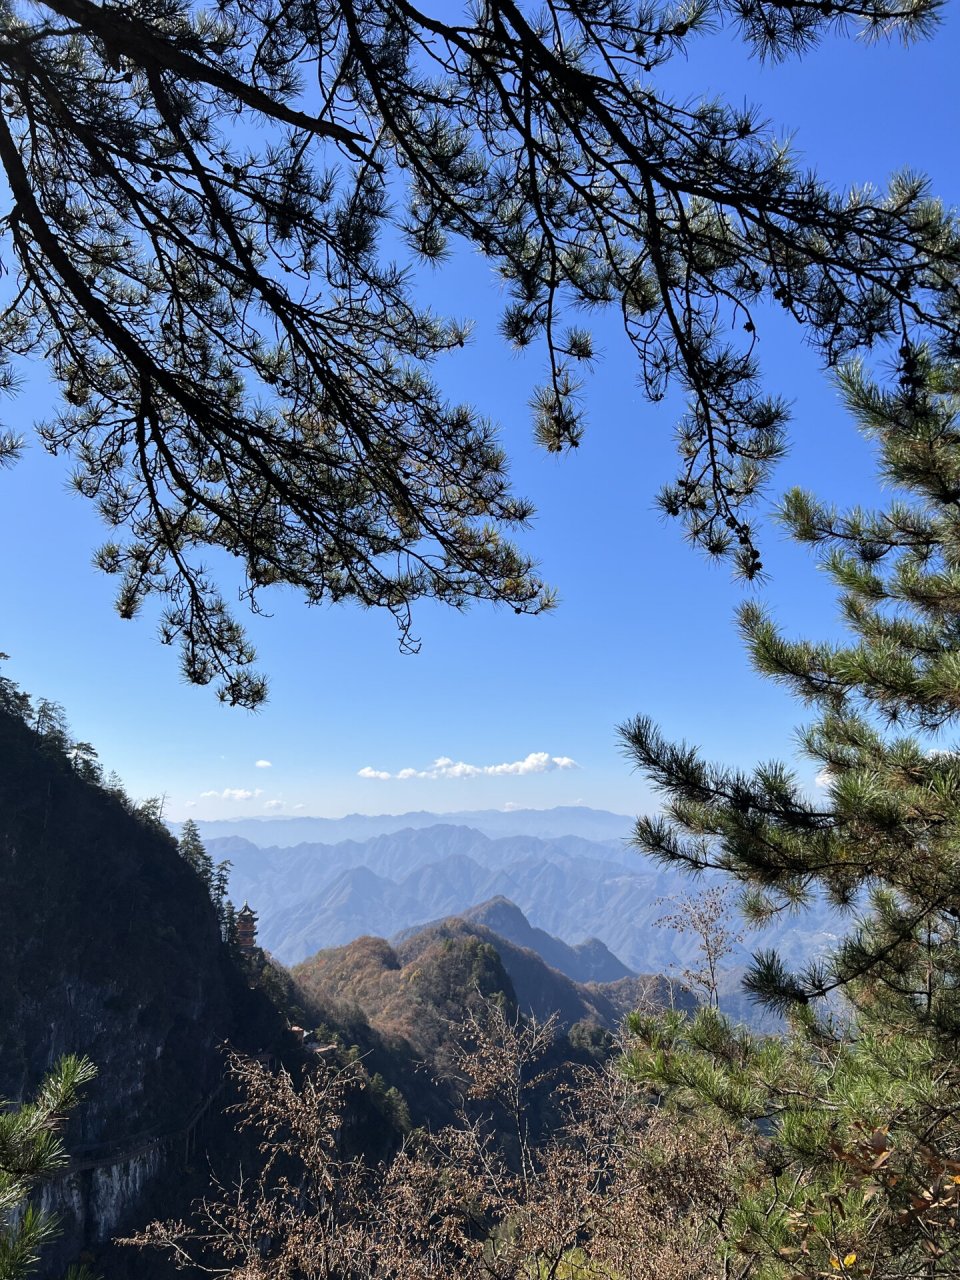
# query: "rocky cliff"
{"points": [[109, 947]]}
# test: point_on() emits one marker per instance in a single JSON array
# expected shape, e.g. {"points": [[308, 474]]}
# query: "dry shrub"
{"points": [[619, 1191]]}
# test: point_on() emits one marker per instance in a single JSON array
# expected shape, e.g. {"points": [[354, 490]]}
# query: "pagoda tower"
{"points": [[246, 928]]}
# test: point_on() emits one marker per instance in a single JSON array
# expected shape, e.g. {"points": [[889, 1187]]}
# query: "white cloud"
{"points": [[299, 806], [823, 778], [444, 767], [231, 793], [191, 804], [273, 805], [263, 764]]}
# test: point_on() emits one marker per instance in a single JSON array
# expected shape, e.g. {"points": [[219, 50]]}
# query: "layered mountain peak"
{"points": [[588, 961]]}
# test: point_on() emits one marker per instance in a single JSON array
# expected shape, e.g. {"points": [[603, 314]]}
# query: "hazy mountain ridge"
{"points": [[313, 897], [589, 961], [285, 832]]}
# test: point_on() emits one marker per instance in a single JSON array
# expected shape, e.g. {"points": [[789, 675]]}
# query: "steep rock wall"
{"points": [[109, 947]]}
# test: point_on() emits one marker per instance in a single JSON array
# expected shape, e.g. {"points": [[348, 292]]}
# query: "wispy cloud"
{"points": [[273, 805], [263, 764], [444, 767], [231, 793]]}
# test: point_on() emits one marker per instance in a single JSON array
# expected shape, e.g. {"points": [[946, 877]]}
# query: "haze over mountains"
{"points": [[318, 895], [565, 820], [588, 961]]}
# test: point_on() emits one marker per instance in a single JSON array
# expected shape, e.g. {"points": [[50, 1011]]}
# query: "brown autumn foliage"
{"points": [[615, 1192], [411, 1003]]}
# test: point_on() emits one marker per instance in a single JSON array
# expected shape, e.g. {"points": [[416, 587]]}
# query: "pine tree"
{"points": [[228, 922], [30, 1151], [215, 875], [219, 887], [12, 698], [193, 851], [50, 726], [859, 1113], [241, 366], [83, 757]]}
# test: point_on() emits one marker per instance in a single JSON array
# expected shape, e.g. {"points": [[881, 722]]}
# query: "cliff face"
{"points": [[109, 947]]}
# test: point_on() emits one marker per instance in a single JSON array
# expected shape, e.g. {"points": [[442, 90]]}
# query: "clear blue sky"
{"points": [[644, 623]]}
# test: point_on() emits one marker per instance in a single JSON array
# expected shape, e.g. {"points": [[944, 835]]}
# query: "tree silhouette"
{"points": [[192, 225]]}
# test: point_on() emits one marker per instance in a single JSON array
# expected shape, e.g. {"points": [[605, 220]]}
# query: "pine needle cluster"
{"points": [[857, 1111], [31, 1149]]}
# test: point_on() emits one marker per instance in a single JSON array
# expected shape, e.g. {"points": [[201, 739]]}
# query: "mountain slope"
{"points": [[400, 987], [413, 1002], [571, 888], [589, 961], [542, 990], [109, 947]]}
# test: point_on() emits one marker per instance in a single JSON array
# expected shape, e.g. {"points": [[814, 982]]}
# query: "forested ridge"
{"points": [[112, 954]]}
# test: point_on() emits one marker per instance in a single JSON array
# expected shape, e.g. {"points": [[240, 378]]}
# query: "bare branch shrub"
{"points": [[618, 1191], [708, 918]]}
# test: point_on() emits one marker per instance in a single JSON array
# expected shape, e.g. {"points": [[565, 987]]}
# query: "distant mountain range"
{"points": [[547, 824], [317, 896]]}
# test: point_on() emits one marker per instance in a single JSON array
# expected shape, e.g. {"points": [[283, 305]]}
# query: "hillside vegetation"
{"points": [[418, 989]]}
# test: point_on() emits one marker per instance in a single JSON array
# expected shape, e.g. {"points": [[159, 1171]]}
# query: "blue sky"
{"points": [[644, 623]]}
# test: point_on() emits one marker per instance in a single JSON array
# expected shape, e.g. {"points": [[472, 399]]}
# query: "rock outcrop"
{"points": [[109, 947]]}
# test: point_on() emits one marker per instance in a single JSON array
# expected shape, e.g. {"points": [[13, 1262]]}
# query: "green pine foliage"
{"points": [[854, 1168], [215, 876], [31, 1149], [856, 1114]]}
